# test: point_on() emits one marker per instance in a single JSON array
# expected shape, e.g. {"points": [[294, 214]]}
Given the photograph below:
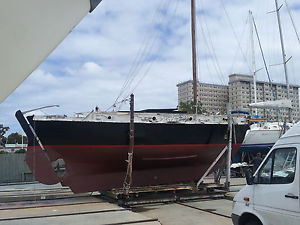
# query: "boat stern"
{"points": [[36, 157]]}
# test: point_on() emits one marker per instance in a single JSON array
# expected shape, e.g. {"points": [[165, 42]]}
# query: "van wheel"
{"points": [[252, 223]]}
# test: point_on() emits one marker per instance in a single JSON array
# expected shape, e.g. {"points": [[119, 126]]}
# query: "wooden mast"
{"points": [[194, 52], [128, 178]]}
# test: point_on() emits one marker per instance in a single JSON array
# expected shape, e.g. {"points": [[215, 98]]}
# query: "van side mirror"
{"points": [[249, 177]]}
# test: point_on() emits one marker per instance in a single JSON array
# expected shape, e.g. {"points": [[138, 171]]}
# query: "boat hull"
{"points": [[95, 153], [97, 168], [260, 140]]}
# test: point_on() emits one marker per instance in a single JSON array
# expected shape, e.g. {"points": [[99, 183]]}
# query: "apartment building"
{"points": [[213, 97], [240, 93]]}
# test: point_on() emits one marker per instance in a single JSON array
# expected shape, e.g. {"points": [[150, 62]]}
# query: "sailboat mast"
{"points": [[253, 58], [194, 52], [283, 56]]}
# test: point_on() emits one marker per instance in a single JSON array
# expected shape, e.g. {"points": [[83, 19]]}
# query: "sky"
{"points": [[147, 44]]}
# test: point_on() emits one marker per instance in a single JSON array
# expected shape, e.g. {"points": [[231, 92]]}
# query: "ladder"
{"points": [[289, 159]]}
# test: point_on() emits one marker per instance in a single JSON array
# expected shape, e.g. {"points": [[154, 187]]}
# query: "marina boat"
{"points": [[168, 148], [97, 148], [262, 136]]}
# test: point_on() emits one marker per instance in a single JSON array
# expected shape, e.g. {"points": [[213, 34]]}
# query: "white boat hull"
{"points": [[260, 140], [261, 137]]}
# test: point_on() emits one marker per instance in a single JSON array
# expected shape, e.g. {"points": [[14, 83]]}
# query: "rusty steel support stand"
{"points": [[211, 166], [128, 178]]}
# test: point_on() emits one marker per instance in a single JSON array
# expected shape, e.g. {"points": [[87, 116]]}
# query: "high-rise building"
{"points": [[213, 97], [240, 93]]}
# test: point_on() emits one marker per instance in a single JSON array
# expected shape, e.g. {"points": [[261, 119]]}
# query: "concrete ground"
{"points": [[27, 186], [189, 214], [22, 205], [87, 211], [97, 212]]}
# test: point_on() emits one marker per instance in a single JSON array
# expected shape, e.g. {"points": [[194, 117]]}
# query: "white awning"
{"points": [[282, 103], [30, 31]]}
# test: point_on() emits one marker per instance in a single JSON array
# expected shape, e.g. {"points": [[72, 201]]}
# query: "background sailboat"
{"points": [[262, 135]]}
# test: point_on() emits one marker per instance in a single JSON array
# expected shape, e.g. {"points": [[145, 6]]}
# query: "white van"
{"points": [[271, 196]]}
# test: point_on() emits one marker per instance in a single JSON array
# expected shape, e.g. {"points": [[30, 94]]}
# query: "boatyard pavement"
{"points": [[101, 213], [217, 212], [63, 207]]}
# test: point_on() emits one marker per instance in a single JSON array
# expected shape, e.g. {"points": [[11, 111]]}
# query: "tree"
{"points": [[14, 138], [20, 151], [190, 108], [2, 132], [3, 152]]}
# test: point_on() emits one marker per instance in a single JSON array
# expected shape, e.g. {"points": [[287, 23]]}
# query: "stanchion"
{"points": [[228, 159]]}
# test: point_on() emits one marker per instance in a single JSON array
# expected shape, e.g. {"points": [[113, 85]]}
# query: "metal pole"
{"points": [[194, 52], [283, 57], [264, 60], [44, 107], [253, 59], [228, 159], [211, 166], [128, 178]]}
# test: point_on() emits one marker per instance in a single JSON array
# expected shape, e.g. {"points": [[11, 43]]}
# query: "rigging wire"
{"points": [[272, 53], [291, 17], [217, 64], [211, 50], [237, 50], [235, 34], [210, 46], [137, 61], [262, 54], [156, 55], [143, 52]]}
